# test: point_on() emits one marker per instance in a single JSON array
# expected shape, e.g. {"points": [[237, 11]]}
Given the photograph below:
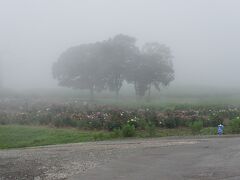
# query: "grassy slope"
{"points": [[14, 136], [18, 136]]}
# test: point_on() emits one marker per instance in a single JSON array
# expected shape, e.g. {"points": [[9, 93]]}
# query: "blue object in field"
{"points": [[220, 129]]}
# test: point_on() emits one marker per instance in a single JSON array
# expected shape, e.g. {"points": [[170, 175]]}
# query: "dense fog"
{"points": [[203, 36]]}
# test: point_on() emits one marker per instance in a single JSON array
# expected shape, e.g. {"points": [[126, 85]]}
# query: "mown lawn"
{"points": [[17, 136]]}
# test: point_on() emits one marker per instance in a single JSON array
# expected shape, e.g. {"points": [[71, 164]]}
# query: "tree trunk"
{"points": [[118, 86], [136, 90], [91, 94], [149, 94]]}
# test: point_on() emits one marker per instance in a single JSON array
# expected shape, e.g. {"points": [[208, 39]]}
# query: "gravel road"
{"points": [[160, 158]]}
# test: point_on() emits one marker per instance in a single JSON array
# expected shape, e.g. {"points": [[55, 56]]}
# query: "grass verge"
{"points": [[17, 136]]}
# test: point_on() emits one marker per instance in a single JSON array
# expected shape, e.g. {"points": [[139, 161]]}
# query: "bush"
{"points": [[116, 133], [94, 124], [170, 122], [128, 130], [111, 125], [212, 122], [133, 122], [151, 129], [196, 127], [64, 122], [142, 124], [151, 117], [234, 126], [115, 122]]}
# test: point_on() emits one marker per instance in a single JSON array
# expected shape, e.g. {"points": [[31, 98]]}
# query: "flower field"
{"points": [[86, 116]]}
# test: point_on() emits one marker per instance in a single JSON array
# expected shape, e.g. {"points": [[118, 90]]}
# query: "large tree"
{"points": [[152, 67], [117, 53], [81, 67], [105, 65], [96, 66]]}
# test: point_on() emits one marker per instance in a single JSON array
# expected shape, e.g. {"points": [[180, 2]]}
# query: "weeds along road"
{"points": [[146, 159]]}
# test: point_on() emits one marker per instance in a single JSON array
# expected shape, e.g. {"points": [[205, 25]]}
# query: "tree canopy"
{"points": [[105, 65]]}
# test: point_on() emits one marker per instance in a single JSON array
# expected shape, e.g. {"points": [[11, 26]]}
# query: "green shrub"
{"points": [[128, 130], [234, 126], [64, 122], [142, 124], [151, 129], [170, 122], [116, 133], [133, 122], [151, 117], [196, 127], [111, 125], [212, 122], [94, 124]]}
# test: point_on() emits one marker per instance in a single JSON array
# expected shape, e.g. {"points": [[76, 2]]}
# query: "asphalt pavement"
{"points": [[206, 159]]}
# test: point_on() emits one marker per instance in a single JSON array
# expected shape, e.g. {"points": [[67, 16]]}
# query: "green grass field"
{"points": [[16, 136]]}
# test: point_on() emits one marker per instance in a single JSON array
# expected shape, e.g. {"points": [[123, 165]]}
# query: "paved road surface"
{"points": [[153, 159]]}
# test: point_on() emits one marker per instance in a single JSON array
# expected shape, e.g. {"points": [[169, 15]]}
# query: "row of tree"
{"points": [[106, 65]]}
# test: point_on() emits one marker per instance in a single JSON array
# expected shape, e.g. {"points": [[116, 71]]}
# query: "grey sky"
{"points": [[204, 35]]}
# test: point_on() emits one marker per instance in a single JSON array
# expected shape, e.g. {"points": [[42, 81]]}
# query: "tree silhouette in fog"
{"points": [[105, 65]]}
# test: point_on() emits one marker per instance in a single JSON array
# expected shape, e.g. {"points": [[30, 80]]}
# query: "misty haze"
{"points": [[102, 85], [203, 36]]}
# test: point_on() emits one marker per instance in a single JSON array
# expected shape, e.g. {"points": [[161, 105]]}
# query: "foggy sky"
{"points": [[204, 35]]}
